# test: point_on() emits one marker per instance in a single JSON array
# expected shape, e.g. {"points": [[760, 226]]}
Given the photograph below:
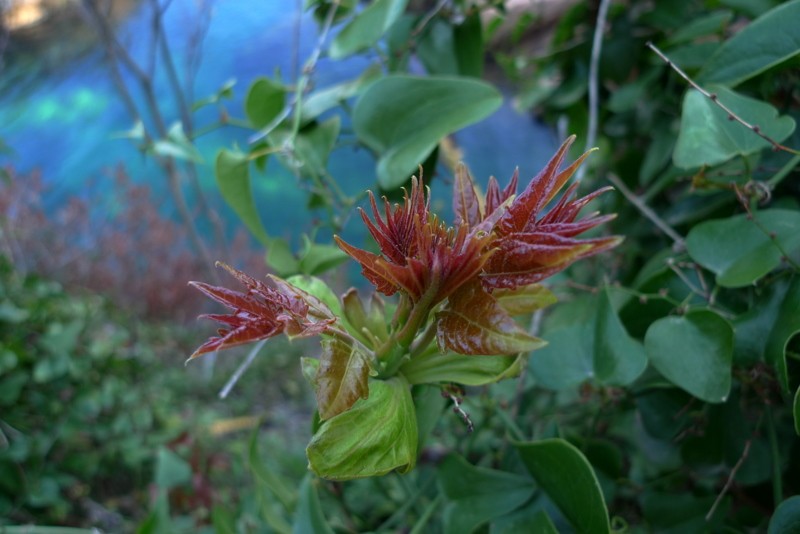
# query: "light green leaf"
{"points": [[786, 519], [321, 101], [280, 258], [314, 145], [317, 259], [264, 101], [403, 118], [341, 378], [377, 435], [618, 358], [525, 299], [694, 352], [568, 479], [233, 179], [477, 495], [786, 327], [768, 41], [740, 251], [567, 359], [707, 137], [177, 145], [366, 28], [436, 50], [433, 367], [318, 288], [309, 518], [171, 469]]}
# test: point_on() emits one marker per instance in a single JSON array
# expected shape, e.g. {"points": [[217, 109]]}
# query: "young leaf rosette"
{"points": [[459, 289]]}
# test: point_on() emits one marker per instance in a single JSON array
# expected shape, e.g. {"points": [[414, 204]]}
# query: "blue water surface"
{"points": [[66, 123]]}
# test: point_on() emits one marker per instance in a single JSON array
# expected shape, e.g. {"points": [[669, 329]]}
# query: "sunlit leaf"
{"points": [[764, 43], [694, 352], [377, 435], [566, 476], [433, 367], [474, 323], [403, 118], [739, 250], [233, 179], [708, 137], [342, 377], [476, 495]]}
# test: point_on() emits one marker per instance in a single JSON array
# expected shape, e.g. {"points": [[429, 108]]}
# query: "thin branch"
{"points": [[728, 483], [594, 68], [715, 99], [429, 17], [223, 393], [639, 204]]}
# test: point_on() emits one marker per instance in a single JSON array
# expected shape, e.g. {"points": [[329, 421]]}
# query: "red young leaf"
{"points": [[474, 323], [466, 205]]}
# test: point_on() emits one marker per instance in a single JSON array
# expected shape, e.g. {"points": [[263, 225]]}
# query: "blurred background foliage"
{"points": [[669, 395]]}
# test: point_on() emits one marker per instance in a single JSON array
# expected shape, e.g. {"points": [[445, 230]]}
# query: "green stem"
{"points": [[784, 172]]}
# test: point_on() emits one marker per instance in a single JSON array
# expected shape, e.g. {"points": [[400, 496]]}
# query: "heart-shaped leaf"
{"points": [[568, 479], [769, 40], [233, 179], [739, 250], [618, 358], [367, 27], [342, 377], [377, 435], [708, 137], [264, 101], [694, 352], [786, 519], [403, 118]]}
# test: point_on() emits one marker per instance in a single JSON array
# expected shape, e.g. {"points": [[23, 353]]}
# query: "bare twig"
{"points": [[454, 393], [728, 483], [429, 17], [715, 99], [594, 67], [248, 361], [639, 204]]}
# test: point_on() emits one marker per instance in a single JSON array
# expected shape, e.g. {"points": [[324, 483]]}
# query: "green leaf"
{"points": [[318, 259], [314, 145], [708, 137], [740, 251], [233, 178], [786, 519], [366, 28], [468, 43], [526, 520], [700, 27], [432, 367], [567, 359], [525, 299], [321, 101], [171, 469], [264, 101], [694, 352], [177, 145], [618, 358], [477, 495], [403, 118], [786, 327], [568, 479], [428, 406], [309, 518], [377, 435], [797, 411], [280, 258], [342, 377], [768, 41], [436, 50], [474, 323]]}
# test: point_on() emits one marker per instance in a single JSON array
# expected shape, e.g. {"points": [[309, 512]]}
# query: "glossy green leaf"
{"points": [[618, 358], [740, 251], [264, 101], [366, 28], [377, 435], [341, 378], [318, 288], [171, 469], [474, 323], [786, 327], [476, 495], [767, 41], [707, 137], [786, 519], [694, 352], [309, 518], [433, 367], [525, 299], [403, 118], [797, 411], [568, 479], [233, 179]]}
